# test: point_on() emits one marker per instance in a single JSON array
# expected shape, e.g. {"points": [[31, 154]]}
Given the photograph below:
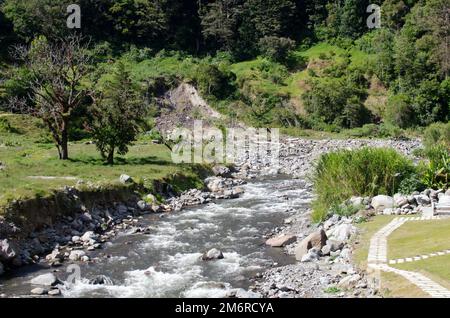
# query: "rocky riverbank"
{"points": [[325, 266], [72, 237]]}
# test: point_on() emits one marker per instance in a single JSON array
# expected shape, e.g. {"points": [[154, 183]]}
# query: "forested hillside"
{"points": [[296, 64]]}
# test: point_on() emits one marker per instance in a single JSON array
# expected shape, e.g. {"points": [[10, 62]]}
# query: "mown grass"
{"points": [[417, 238], [391, 285], [395, 286], [436, 268], [364, 172], [30, 153], [366, 231]]}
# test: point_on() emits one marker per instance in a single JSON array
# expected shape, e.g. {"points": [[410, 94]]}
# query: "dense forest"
{"points": [[290, 63]]}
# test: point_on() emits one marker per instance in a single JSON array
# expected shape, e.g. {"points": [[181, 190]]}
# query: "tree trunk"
{"points": [[64, 141], [110, 159]]}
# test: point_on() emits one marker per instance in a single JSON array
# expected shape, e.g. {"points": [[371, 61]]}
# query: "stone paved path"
{"points": [[377, 258]]}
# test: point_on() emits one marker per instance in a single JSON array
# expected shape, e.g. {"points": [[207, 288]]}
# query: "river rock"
{"points": [[125, 179], [342, 232], [335, 245], [55, 255], [212, 254], [45, 280], [349, 281], [221, 171], [39, 291], [101, 280], [54, 292], [76, 255], [7, 251], [423, 199], [381, 202], [89, 236], [281, 240], [144, 206], [311, 256], [400, 200], [316, 239]]}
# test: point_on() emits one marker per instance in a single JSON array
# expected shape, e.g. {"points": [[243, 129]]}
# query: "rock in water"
{"points": [[38, 291], [54, 292], [101, 280], [281, 240], [212, 255], [316, 239], [45, 280], [381, 202]]}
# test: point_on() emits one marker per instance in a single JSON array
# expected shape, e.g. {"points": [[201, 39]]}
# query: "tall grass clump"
{"points": [[364, 172]]}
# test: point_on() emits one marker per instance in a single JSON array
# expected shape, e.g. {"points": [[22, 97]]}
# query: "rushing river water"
{"points": [[167, 262]]}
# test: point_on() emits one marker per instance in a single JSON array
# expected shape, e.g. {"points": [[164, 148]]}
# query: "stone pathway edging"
{"points": [[377, 259], [417, 258]]}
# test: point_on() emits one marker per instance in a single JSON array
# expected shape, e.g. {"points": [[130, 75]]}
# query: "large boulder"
{"points": [[381, 202], [316, 239], [45, 280], [342, 232], [281, 240], [422, 199], [400, 200], [212, 254]]}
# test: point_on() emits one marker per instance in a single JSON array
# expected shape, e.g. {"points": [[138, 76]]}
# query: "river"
{"points": [[167, 261]]}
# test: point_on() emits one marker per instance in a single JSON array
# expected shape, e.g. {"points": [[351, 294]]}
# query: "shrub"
{"points": [[436, 173], [410, 184], [214, 80], [399, 111], [365, 172], [276, 48], [438, 133]]}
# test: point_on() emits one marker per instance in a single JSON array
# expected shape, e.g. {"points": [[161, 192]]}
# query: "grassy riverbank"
{"points": [[31, 167]]}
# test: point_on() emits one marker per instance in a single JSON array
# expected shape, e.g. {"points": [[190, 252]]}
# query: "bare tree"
{"points": [[56, 90]]}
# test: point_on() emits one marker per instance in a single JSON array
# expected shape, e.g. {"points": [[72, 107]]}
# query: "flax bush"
{"points": [[364, 172]]}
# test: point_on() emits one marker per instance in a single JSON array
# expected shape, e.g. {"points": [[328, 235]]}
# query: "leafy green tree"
{"points": [[215, 80], [276, 48], [117, 113], [219, 20], [31, 18], [140, 20], [399, 111]]}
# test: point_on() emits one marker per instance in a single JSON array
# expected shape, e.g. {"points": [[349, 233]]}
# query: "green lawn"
{"points": [[419, 237], [367, 230], [436, 268], [28, 152], [392, 285]]}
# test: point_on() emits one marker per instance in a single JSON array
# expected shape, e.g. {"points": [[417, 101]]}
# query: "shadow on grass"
{"points": [[151, 160]]}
